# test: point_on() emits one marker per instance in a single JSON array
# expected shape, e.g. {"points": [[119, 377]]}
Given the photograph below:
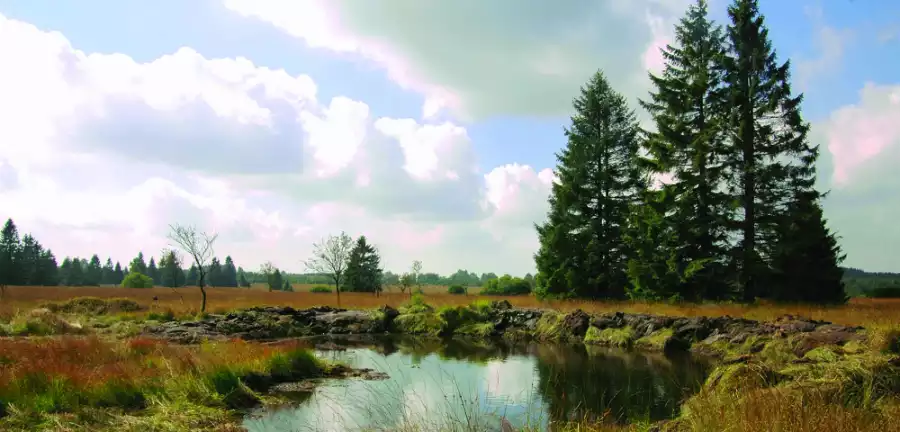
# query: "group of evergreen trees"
{"points": [[740, 219], [24, 261]]}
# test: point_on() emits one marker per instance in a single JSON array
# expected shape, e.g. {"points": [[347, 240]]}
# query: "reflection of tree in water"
{"points": [[578, 383]]}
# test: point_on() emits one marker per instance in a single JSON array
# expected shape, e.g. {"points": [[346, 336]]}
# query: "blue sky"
{"points": [[503, 81]]}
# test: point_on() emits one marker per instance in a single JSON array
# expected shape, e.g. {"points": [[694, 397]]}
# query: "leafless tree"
{"points": [[268, 269], [171, 262], [199, 245], [330, 257], [415, 271]]}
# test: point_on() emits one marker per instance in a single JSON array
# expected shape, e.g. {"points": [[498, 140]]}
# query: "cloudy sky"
{"points": [[429, 126]]}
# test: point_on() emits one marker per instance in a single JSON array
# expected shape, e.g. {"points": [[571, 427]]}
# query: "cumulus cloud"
{"points": [[99, 153], [511, 57], [864, 132]]}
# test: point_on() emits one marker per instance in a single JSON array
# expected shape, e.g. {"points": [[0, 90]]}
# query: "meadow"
{"points": [[92, 379], [865, 312]]}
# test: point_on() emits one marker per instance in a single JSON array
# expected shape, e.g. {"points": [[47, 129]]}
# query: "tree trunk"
{"points": [[202, 298]]}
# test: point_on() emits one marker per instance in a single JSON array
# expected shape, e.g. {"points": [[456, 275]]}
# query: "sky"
{"points": [[428, 126]]}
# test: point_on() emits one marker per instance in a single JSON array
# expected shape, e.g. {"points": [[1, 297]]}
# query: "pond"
{"points": [[458, 385]]}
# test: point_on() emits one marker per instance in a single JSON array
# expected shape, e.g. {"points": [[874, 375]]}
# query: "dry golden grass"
{"points": [[865, 312]]}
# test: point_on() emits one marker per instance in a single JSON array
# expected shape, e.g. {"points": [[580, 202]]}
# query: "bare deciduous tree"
{"points": [[416, 270], [199, 245], [268, 269], [330, 257]]}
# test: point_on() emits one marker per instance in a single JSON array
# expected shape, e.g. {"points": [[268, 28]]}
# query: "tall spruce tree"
{"points": [[138, 265], [118, 274], [108, 275], [153, 271], [93, 272], [582, 251], [364, 271], [686, 105], [214, 273], [770, 159], [229, 273], [9, 253], [49, 272]]}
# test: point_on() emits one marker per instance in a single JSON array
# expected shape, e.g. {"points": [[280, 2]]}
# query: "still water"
{"points": [[455, 385]]}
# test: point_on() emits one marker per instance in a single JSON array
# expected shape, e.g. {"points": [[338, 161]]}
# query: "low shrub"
{"points": [[320, 289], [506, 285], [137, 280], [456, 289]]}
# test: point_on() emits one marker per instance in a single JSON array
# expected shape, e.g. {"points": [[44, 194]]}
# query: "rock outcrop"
{"points": [[724, 336]]}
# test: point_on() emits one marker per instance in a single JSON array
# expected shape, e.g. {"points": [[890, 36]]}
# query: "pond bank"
{"points": [[809, 367]]}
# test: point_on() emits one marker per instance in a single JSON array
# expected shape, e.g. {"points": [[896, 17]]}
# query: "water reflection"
{"points": [[459, 385]]}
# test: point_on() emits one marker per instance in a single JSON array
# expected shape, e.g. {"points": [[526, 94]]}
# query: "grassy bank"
{"points": [[77, 383], [95, 373]]}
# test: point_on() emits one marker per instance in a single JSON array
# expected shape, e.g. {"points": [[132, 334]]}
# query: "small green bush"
{"points": [[164, 316], [456, 289], [506, 285], [891, 291], [137, 280], [320, 289]]}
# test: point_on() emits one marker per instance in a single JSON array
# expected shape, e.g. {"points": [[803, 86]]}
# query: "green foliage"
{"points": [[457, 289], [137, 280], [170, 272], [506, 285], [582, 251], [364, 271], [320, 289], [688, 218]]}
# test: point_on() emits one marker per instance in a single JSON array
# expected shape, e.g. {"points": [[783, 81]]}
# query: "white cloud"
{"points": [[99, 153], [511, 57]]}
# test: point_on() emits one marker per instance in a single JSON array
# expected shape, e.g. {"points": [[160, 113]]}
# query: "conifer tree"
{"points": [[9, 252], [806, 263], [107, 274], [93, 272], [229, 273], [118, 274], [153, 271], [770, 159], [686, 105], [138, 265], [214, 274], [364, 271], [582, 251]]}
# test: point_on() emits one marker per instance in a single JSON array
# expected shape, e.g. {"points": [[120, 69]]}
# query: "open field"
{"points": [[860, 311]]}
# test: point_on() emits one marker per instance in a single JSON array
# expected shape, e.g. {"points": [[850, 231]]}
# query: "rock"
{"points": [[609, 320], [501, 305], [576, 322]]}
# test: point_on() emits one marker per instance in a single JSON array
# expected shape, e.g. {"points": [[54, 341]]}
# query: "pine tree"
{"points": [[170, 271], [242, 278], [193, 276], [214, 274], [229, 273], [27, 260], [93, 272], [770, 158], [275, 281], [363, 273], [76, 273], [9, 252], [108, 273], [48, 274], [806, 264], [688, 144], [118, 274], [153, 271], [138, 265], [287, 286], [582, 249]]}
